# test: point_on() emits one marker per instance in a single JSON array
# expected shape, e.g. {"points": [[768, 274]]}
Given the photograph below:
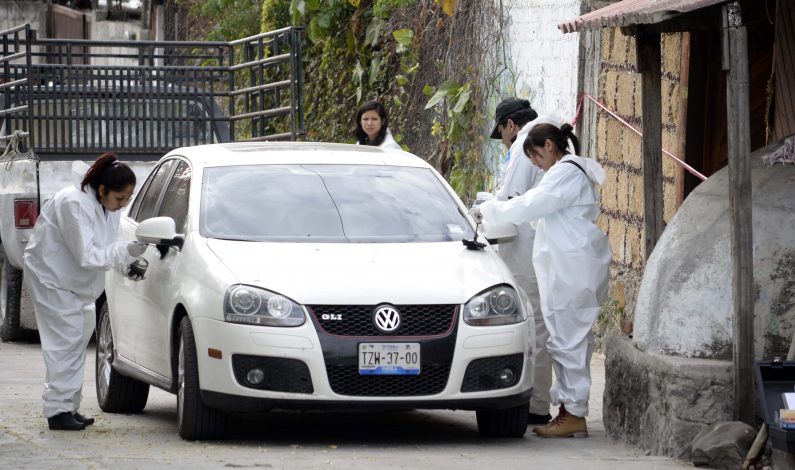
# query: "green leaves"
{"points": [[373, 32], [448, 89], [404, 37]]}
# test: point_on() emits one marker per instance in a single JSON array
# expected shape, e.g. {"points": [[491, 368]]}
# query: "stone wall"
{"points": [[660, 403], [618, 149]]}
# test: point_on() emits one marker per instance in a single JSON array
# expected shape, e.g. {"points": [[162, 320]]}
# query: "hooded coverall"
{"points": [[389, 142], [521, 175], [73, 242], [571, 257]]}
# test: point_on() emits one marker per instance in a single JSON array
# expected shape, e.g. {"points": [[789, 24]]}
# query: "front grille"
{"points": [[484, 374], [345, 380], [281, 374], [357, 320]]}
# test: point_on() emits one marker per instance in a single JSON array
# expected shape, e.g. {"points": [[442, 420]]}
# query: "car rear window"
{"points": [[329, 203]]}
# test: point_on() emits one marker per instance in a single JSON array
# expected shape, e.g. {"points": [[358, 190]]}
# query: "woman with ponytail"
{"points": [[74, 241], [571, 257]]}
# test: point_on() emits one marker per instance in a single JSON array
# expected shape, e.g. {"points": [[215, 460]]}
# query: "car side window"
{"points": [[175, 199], [152, 196]]}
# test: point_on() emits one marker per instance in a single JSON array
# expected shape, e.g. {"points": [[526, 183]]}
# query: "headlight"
{"points": [[246, 304], [499, 305]]}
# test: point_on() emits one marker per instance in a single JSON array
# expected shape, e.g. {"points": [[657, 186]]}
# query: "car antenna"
{"points": [[474, 244]]}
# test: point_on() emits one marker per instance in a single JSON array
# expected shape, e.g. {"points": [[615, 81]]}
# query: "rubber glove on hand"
{"points": [[136, 248], [475, 213], [137, 269]]}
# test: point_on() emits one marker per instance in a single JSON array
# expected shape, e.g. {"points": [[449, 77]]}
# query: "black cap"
{"points": [[507, 107]]}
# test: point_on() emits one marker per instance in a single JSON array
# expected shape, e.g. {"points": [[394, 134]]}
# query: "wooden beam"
{"points": [[681, 140], [735, 56], [650, 65]]}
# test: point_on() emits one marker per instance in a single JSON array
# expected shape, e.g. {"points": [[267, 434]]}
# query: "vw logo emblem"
{"points": [[386, 318]]}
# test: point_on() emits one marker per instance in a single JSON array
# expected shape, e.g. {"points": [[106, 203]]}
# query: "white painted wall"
{"points": [[539, 62], [543, 60]]}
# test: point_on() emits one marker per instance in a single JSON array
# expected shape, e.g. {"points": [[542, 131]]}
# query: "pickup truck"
{"points": [[67, 100]]}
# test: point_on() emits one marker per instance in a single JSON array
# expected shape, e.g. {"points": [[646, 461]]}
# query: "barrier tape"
{"points": [[580, 101]]}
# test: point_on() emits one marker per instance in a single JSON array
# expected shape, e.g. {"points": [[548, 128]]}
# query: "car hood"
{"points": [[363, 273]]}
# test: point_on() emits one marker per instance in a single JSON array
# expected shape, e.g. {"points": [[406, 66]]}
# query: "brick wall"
{"points": [[618, 149]]}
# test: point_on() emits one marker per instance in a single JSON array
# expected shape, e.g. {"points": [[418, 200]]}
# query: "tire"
{"points": [[509, 422], [115, 392], [196, 421], [10, 295]]}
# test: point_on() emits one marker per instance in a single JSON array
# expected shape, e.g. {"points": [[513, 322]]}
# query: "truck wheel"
{"points": [[196, 421], [10, 294], [115, 392], [509, 422]]}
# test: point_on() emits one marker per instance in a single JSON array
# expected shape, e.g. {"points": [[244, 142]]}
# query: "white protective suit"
{"points": [[73, 242], [389, 142], [519, 176], [572, 261]]}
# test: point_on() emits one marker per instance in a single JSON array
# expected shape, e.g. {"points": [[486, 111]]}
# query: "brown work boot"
{"points": [[564, 425]]}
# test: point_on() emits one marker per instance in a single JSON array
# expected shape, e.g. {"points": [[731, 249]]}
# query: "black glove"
{"points": [[137, 269]]}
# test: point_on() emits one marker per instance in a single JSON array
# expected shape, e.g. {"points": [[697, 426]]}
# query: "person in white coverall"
{"points": [[74, 241], [371, 126], [572, 261], [514, 118]]}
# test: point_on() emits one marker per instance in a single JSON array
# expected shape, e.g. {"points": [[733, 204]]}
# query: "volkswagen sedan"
{"points": [[308, 275]]}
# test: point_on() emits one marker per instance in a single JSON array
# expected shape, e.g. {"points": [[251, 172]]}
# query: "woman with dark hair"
{"points": [[571, 257], [371, 126], [74, 241]]}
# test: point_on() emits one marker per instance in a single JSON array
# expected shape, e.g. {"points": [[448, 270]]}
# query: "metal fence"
{"points": [[155, 95]]}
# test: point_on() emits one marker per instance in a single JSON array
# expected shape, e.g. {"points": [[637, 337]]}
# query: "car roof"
{"points": [[279, 153]]}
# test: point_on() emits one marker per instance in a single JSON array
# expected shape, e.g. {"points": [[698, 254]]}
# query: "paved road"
{"points": [[283, 440]]}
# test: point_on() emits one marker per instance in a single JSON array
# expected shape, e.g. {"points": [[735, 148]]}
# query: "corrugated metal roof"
{"points": [[633, 12]]}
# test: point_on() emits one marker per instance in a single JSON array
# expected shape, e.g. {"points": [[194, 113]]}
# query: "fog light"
{"points": [[507, 376], [255, 376]]}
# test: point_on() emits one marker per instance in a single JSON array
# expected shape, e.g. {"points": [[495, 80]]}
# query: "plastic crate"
{"points": [[772, 379]]}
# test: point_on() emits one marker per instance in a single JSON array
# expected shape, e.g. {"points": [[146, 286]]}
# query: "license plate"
{"points": [[389, 358]]}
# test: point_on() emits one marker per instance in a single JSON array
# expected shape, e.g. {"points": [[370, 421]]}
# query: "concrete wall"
{"points": [[15, 13], [685, 304]]}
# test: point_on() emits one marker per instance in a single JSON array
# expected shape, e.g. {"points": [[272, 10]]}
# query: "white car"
{"points": [[303, 275]]}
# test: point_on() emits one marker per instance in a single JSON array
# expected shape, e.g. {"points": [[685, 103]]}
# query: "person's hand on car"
{"points": [[475, 213], [137, 269], [136, 248]]}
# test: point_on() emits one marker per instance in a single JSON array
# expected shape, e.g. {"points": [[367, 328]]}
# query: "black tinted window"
{"points": [[150, 198], [329, 203], [175, 199]]}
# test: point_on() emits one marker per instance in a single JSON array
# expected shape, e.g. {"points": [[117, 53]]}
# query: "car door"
{"points": [[158, 290], [125, 300]]}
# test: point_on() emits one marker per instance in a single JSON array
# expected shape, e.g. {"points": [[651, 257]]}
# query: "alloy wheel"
{"points": [[181, 380], [104, 356], [3, 290]]}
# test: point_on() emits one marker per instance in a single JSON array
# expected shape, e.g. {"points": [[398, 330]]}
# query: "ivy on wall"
{"points": [[424, 59], [427, 61]]}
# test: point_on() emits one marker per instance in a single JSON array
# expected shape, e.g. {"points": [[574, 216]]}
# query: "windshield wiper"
{"points": [[473, 244]]}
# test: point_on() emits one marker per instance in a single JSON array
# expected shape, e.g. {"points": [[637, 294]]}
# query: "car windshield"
{"points": [[329, 203]]}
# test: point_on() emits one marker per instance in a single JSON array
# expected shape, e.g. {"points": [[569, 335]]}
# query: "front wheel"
{"points": [[508, 422], [10, 295], [196, 421], [115, 392]]}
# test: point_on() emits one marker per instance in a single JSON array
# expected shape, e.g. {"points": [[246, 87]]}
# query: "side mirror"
{"points": [[160, 231], [496, 233]]}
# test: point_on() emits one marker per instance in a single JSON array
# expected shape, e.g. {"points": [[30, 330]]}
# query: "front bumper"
{"points": [[324, 355]]}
